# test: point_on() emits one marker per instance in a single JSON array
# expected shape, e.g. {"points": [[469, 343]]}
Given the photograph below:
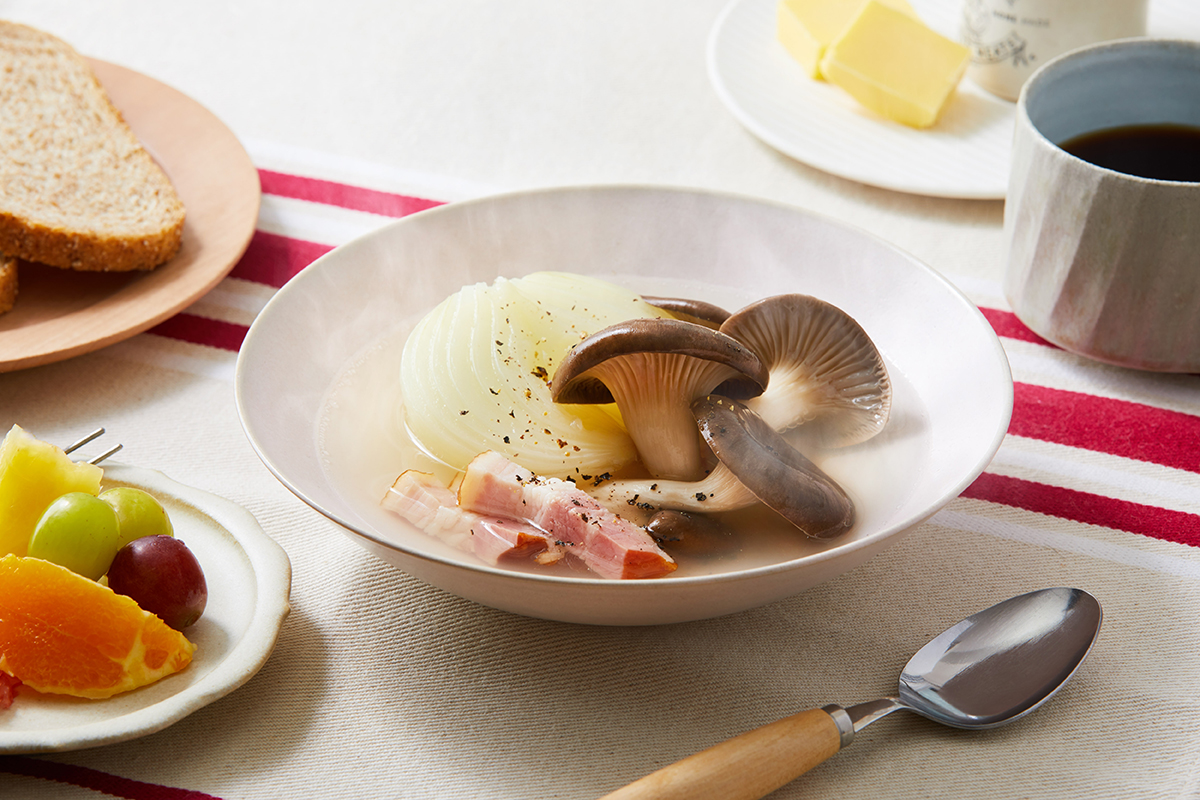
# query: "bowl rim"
{"points": [[283, 295]]}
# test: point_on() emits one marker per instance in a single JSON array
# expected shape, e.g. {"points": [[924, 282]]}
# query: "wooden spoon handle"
{"points": [[745, 767]]}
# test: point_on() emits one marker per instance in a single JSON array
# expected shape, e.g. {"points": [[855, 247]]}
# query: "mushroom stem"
{"points": [[654, 369], [720, 490], [657, 413]]}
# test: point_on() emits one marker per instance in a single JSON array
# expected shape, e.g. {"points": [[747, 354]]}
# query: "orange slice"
{"points": [[64, 634]]}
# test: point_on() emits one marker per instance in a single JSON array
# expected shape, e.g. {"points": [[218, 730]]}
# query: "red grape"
{"points": [[163, 577]]}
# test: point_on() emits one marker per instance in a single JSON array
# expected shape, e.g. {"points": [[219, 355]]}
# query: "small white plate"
{"points": [[249, 582], [964, 155]]}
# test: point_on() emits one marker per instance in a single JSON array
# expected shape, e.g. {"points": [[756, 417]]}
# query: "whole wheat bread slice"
{"points": [[8, 283], [77, 189]]}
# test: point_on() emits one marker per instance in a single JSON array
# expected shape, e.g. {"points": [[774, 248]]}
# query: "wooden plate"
{"points": [[62, 313]]}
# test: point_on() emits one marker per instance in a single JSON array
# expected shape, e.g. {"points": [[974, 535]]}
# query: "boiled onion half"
{"points": [[475, 375]]}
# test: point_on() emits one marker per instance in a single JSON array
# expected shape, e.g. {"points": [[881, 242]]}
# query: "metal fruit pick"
{"points": [[96, 434], [990, 669]]}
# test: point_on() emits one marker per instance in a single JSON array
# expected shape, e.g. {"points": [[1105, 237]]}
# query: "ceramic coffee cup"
{"points": [[1100, 262], [1010, 39]]}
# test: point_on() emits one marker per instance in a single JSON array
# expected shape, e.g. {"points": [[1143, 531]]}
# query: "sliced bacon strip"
{"points": [[432, 507], [610, 546]]}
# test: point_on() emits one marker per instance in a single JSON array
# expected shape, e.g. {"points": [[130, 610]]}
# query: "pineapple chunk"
{"points": [[33, 474]]}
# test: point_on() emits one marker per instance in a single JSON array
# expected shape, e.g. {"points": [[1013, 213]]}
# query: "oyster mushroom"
{"points": [[777, 473], [824, 369], [757, 464], [698, 311], [653, 369], [684, 534]]}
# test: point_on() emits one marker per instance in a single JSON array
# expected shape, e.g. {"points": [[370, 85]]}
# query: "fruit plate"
{"points": [[249, 582], [60, 314]]}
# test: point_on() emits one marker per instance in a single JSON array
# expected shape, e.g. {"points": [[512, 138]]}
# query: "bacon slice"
{"points": [[432, 507], [610, 546]]}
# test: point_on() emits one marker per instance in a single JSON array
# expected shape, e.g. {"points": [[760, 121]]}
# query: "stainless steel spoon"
{"points": [[993, 667]]}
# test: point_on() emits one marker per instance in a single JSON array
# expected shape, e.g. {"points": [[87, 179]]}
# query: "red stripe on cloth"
{"points": [[95, 780], [1006, 324], [273, 260], [343, 195], [1104, 425], [202, 330], [1093, 509]]}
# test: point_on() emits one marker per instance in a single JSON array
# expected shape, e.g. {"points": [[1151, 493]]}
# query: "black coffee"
{"points": [[1163, 152]]}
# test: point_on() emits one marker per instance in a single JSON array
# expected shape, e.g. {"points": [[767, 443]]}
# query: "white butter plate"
{"points": [[964, 155], [249, 582]]}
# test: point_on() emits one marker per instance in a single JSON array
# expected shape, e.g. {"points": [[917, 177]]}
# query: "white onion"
{"points": [[475, 375]]}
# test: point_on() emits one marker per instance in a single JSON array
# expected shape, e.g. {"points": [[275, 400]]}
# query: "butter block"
{"points": [[806, 27], [894, 65]]}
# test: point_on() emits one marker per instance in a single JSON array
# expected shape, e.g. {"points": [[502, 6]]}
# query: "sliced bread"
{"points": [[77, 189], [8, 283]]}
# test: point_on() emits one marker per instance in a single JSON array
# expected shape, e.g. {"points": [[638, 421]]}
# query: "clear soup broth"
{"points": [[364, 445]]}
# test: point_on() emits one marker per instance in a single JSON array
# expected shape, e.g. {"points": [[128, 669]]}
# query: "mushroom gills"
{"points": [[772, 469], [825, 372]]}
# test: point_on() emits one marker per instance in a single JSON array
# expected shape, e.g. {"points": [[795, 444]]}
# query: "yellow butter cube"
{"points": [[807, 27], [894, 65]]}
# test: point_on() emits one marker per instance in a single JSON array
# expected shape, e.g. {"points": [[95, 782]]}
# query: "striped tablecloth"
{"points": [[384, 687]]}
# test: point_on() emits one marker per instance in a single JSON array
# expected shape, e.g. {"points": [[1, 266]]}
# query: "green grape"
{"points": [[138, 513], [78, 531]]}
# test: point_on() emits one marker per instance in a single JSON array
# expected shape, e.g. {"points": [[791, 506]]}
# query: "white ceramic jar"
{"points": [[1103, 263], [1010, 39]]}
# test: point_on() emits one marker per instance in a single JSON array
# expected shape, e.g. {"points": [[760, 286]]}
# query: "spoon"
{"points": [[993, 667]]}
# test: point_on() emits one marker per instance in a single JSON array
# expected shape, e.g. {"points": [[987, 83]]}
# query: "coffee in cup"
{"points": [[1101, 260]]}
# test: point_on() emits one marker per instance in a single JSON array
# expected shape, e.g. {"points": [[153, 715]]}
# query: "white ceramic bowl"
{"points": [[315, 373]]}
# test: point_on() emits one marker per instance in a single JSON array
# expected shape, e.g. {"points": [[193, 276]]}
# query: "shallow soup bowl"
{"points": [[316, 377]]}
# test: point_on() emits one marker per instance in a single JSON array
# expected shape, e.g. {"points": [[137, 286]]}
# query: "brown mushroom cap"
{"points": [[697, 311], [825, 370], [777, 473], [653, 369]]}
